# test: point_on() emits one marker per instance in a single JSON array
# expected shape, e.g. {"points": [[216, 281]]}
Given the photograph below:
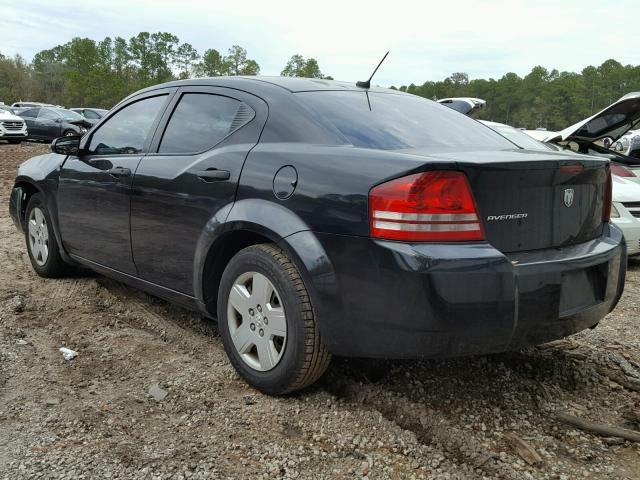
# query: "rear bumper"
{"points": [[394, 300]]}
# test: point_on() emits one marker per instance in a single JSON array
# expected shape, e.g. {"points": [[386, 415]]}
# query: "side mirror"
{"points": [[69, 145]]}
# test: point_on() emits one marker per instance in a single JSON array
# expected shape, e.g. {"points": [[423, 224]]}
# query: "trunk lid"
{"points": [[533, 200]]}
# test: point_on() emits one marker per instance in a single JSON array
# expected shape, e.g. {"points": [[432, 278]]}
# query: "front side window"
{"points": [[126, 131], [200, 121], [91, 115]]}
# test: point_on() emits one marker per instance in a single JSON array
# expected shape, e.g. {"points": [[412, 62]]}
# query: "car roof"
{"points": [[291, 84]]}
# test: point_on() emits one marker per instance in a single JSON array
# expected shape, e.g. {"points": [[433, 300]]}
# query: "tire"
{"points": [[15, 142], [40, 238], [302, 358]]}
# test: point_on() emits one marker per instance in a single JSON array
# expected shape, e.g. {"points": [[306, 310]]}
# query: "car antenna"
{"points": [[367, 84]]}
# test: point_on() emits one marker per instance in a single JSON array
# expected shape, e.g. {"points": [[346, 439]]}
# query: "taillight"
{"points": [[621, 170], [435, 206], [606, 208]]}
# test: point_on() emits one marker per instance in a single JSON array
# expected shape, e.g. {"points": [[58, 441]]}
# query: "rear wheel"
{"points": [[41, 241], [267, 322]]}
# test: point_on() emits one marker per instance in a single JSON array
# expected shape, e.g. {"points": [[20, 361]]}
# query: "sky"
{"points": [[427, 40]]}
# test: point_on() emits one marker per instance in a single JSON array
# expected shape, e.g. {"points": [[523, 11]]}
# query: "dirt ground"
{"points": [[471, 418]]}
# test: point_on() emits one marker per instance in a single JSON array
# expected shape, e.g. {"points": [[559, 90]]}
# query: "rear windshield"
{"points": [[390, 122], [521, 139]]}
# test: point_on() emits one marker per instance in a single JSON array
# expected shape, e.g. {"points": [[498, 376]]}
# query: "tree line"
{"points": [[542, 98], [85, 72]]}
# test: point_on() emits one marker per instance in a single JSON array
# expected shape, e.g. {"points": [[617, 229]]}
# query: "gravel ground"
{"points": [[151, 395]]}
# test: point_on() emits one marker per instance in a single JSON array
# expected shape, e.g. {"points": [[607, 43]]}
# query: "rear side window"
{"points": [[390, 121], [201, 120], [91, 114], [126, 131]]}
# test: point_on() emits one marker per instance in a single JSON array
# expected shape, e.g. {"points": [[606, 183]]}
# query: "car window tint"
{"points": [[91, 114], [46, 114], [390, 121], [31, 113], [126, 131], [200, 121]]}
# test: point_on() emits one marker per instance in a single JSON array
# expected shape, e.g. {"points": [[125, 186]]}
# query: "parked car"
{"points": [[625, 210], [92, 115], [314, 217], [47, 123], [30, 104], [12, 128], [622, 145], [465, 105]]}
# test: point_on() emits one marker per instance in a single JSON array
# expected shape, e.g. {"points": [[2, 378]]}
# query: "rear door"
{"points": [[95, 187], [190, 176]]}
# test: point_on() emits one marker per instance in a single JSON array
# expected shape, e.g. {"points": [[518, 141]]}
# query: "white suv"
{"points": [[12, 127]]}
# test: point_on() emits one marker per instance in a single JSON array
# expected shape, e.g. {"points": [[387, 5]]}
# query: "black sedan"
{"points": [[315, 217], [47, 123]]}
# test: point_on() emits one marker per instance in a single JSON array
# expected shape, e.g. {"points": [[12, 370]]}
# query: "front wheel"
{"points": [[267, 322], [15, 142]]}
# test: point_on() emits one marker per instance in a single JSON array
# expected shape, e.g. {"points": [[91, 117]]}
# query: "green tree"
{"points": [[212, 64], [239, 64], [185, 58], [298, 66]]}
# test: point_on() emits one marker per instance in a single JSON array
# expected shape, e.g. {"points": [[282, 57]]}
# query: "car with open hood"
{"points": [[13, 129], [610, 125], [625, 208], [47, 123], [314, 218]]}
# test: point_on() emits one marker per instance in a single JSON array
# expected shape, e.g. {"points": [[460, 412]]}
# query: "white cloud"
{"points": [[427, 41]]}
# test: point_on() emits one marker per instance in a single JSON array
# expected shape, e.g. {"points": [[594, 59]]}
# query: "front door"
{"points": [[189, 176], [95, 186]]}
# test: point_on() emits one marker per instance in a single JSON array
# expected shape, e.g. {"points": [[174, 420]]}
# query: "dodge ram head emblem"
{"points": [[568, 197]]}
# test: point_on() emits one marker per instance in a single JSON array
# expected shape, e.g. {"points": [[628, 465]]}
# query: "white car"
{"points": [[12, 128], [625, 208], [464, 105], [625, 211]]}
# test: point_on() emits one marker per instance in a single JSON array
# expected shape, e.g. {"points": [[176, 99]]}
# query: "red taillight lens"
{"points": [[621, 170], [606, 208], [425, 207]]}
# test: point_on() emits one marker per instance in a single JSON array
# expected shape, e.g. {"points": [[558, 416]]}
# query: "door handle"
{"points": [[119, 172], [213, 174]]}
